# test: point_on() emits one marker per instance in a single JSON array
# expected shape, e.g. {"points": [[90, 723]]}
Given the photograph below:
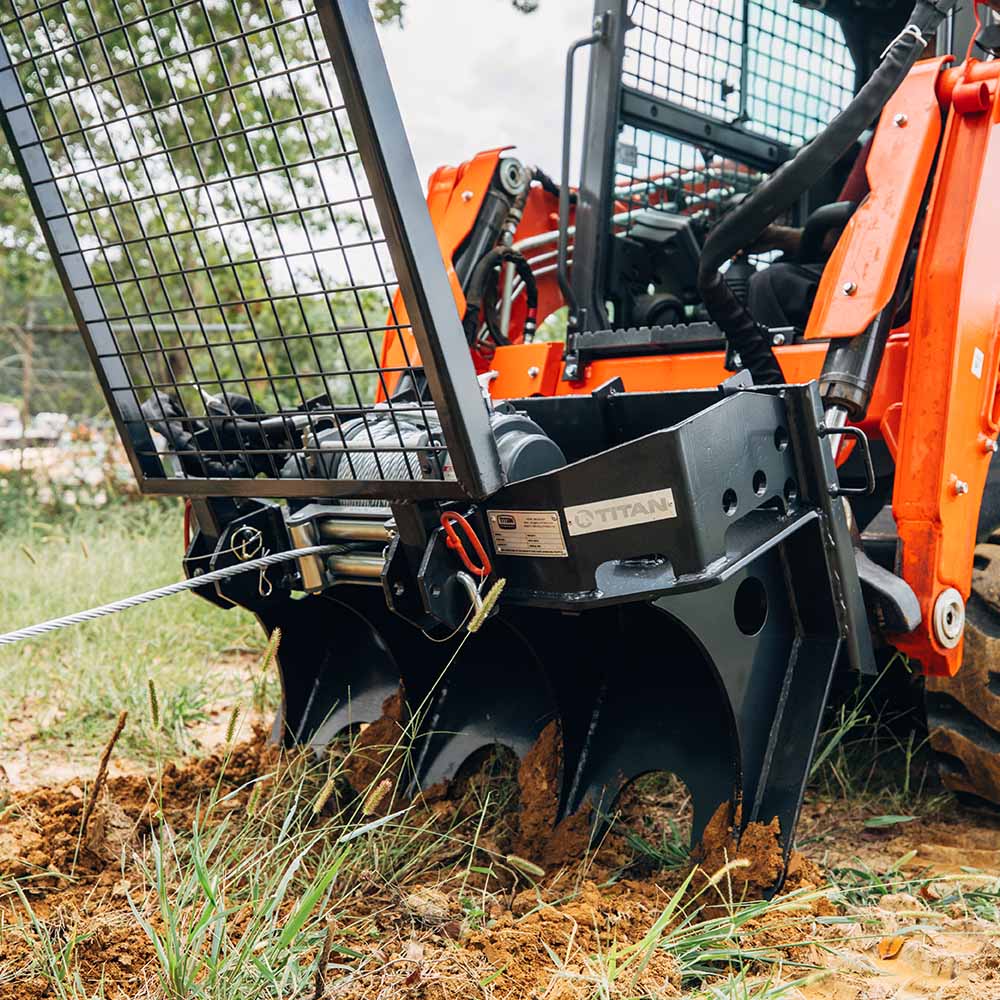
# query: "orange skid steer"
{"points": [[642, 459]]}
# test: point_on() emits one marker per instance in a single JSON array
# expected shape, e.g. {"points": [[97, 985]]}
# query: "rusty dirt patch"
{"points": [[504, 904]]}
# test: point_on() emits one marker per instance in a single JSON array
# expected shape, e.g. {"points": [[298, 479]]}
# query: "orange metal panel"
{"points": [[864, 267], [948, 407], [526, 370], [653, 373], [658, 373], [454, 197], [888, 389]]}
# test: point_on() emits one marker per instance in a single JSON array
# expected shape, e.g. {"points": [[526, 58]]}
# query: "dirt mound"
{"points": [[469, 915], [41, 837], [71, 877], [540, 923], [538, 781], [749, 863]]}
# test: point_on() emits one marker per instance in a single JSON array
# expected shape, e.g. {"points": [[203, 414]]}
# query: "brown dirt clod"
{"points": [[377, 755], [538, 780], [757, 852]]}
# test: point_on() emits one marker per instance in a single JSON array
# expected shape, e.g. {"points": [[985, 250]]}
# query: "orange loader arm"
{"points": [[940, 421], [951, 412], [455, 197]]}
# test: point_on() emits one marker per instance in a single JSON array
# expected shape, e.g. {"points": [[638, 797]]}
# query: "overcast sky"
{"points": [[475, 74]]}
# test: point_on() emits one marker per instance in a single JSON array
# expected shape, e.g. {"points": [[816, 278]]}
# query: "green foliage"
{"points": [[389, 11], [392, 11]]}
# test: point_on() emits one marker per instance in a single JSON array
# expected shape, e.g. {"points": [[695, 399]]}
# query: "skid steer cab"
{"points": [[631, 537]]}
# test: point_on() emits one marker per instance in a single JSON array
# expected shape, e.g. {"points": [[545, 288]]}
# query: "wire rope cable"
{"points": [[194, 583]]}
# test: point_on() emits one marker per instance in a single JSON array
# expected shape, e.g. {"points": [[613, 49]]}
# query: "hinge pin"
{"points": [[949, 618]]}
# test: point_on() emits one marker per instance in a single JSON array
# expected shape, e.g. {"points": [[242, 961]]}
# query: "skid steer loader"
{"points": [[661, 531]]}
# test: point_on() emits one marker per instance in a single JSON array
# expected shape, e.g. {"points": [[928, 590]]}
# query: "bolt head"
{"points": [[961, 487], [468, 195], [849, 287], [778, 339], [990, 445], [533, 371], [900, 121]]}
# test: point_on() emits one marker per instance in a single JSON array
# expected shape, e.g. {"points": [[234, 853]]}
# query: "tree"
{"points": [[392, 11]]}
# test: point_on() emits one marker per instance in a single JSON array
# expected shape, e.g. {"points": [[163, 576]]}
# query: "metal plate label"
{"points": [[620, 512], [528, 533]]}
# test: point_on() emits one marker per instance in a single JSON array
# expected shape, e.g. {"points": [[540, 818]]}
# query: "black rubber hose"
{"points": [[790, 181], [524, 272], [482, 295], [551, 187]]}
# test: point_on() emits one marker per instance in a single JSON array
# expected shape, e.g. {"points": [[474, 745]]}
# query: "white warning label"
{"points": [[528, 533]]}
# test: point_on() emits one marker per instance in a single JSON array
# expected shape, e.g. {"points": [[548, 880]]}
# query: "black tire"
{"points": [[963, 712]]}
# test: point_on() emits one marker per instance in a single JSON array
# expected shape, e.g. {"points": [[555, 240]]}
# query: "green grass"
{"points": [[67, 688], [874, 751], [975, 893]]}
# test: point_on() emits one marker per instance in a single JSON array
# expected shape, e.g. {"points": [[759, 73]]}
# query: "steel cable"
{"points": [[214, 576]]}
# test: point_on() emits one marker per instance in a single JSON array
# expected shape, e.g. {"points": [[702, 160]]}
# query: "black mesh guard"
{"points": [[231, 211], [773, 68]]}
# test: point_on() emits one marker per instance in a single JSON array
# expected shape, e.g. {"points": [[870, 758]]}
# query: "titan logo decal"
{"points": [[620, 512]]}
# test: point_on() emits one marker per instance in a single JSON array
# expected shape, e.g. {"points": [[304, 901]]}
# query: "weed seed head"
{"points": [[154, 705], [375, 797], [324, 796]]}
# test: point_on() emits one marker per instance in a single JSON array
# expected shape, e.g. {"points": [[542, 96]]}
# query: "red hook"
{"points": [[448, 521]]}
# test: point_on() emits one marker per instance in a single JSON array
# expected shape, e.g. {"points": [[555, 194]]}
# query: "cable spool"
{"points": [[351, 451]]}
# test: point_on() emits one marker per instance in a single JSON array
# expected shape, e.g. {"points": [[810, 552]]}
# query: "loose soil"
{"points": [[74, 881], [551, 936], [373, 767]]}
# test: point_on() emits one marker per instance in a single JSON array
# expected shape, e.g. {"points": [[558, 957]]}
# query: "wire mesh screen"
{"points": [[198, 174], [774, 69]]}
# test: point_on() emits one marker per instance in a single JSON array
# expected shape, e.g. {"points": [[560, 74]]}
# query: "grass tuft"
{"points": [[68, 687]]}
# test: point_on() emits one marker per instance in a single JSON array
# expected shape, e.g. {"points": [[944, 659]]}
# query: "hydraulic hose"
{"points": [[482, 293], [790, 181]]}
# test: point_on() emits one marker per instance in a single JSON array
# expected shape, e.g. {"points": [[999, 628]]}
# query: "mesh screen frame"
{"points": [[711, 59], [130, 146], [741, 74], [719, 152]]}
